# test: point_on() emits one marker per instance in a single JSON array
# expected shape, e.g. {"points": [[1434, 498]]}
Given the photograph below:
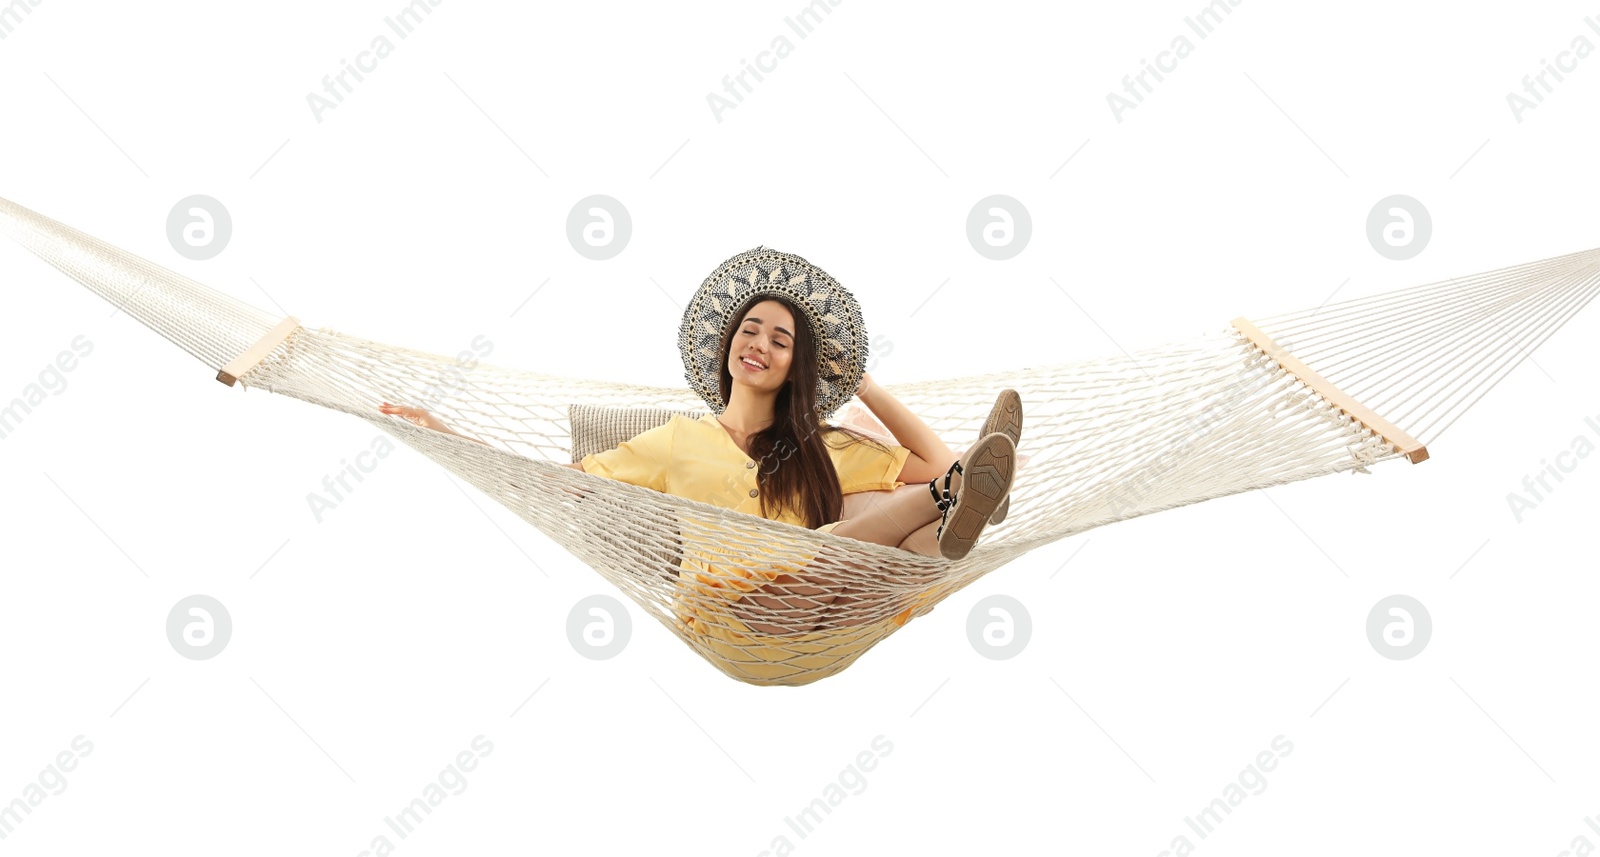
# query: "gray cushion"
{"points": [[597, 428]]}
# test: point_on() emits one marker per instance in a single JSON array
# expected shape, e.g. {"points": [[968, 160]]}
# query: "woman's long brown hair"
{"points": [[795, 469]]}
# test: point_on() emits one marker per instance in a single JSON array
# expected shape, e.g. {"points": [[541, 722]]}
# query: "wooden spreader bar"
{"points": [[1405, 443], [258, 352]]}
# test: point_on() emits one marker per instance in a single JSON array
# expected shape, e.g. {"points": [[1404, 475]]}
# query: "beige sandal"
{"points": [[1006, 418], [985, 481]]}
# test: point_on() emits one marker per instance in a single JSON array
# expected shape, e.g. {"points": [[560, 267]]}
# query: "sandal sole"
{"points": [[985, 481], [1006, 418], [1001, 510]]}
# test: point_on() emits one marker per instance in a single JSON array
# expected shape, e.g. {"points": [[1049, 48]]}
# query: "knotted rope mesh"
{"points": [[1105, 440]]}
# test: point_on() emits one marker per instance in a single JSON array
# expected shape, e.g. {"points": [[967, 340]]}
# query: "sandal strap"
{"points": [[948, 501]]}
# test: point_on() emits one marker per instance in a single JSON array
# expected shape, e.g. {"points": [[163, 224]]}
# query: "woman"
{"points": [[773, 344]]}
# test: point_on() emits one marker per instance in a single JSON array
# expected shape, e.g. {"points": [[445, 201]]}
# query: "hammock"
{"points": [[1246, 406]]}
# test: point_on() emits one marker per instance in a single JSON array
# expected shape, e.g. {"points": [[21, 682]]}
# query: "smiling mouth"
{"points": [[757, 367]]}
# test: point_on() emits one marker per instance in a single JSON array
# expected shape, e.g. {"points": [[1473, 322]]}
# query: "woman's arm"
{"points": [[930, 457], [421, 417]]}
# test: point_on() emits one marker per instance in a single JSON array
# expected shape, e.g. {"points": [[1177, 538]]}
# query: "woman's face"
{"points": [[762, 348]]}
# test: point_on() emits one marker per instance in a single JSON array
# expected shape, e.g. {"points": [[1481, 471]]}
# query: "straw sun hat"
{"points": [[831, 311]]}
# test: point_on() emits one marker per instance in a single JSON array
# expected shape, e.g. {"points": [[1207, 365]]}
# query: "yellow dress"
{"points": [[699, 460]]}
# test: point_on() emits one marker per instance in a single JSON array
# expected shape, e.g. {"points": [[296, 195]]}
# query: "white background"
{"points": [[1167, 652]]}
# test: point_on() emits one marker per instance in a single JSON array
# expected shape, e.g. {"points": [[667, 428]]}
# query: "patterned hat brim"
{"points": [[831, 310]]}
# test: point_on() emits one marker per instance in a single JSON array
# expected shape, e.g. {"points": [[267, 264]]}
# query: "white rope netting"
{"points": [[1104, 440]]}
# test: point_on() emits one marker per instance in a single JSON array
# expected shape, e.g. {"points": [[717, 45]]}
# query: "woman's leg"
{"points": [[847, 599], [906, 518], [856, 505], [850, 601], [891, 517], [924, 541]]}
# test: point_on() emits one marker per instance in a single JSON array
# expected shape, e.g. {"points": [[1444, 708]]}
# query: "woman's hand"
{"points": [[422, 418], [416, 415]]}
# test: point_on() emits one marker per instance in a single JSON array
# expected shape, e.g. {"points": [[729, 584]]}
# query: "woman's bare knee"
{"points": [[857, 503]]}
